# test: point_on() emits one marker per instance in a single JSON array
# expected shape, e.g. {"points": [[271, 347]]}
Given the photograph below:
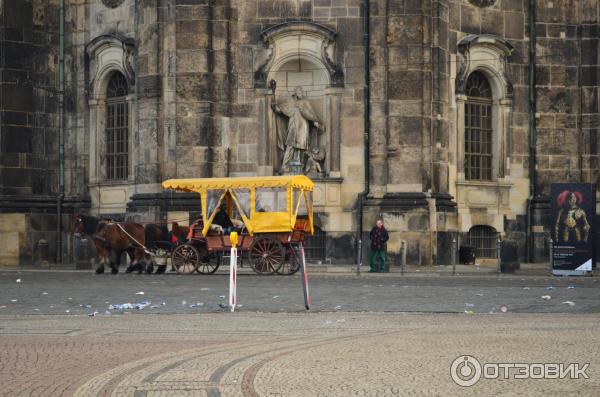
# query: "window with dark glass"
{"points": [[117, 128], [478, 129], [483, 238]]}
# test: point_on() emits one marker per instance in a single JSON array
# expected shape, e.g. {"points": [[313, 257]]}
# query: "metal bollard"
{"points": [[551, 249], [360, 257], [498, 255], [453, 253], [403, 264]]}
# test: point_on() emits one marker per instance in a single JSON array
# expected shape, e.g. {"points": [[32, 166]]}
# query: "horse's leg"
{"points": [[149, 263], [131, 266], [100, 267], [115, 259], [161, 269], [132, 262], [101, 254], [137, 263]]}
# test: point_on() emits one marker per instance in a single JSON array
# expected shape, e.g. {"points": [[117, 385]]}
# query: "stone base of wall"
{"points": [[25, 221], [426, 223], [12, 238]]}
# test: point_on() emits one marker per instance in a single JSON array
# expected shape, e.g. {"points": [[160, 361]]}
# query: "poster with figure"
{"points": [[572, 227]]}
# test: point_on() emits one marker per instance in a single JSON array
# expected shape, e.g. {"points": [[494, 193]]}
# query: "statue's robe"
{"points": [[299, 112]]}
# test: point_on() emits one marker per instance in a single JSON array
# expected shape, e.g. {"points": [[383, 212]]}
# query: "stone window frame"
{"points": [[106, 55], [485, 54]]}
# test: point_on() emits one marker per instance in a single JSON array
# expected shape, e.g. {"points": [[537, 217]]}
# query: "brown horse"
{"points": [[112, 239]]}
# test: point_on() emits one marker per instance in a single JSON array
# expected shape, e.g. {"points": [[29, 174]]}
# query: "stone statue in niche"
{"points": [[299, 142]]}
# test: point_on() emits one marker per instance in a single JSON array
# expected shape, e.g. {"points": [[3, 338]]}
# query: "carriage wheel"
{"points": [[185, 259], [266, 255], [291, 264], [209, 261]]}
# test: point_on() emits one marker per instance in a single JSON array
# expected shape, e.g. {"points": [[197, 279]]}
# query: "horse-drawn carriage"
{"points": [[271, 214]]}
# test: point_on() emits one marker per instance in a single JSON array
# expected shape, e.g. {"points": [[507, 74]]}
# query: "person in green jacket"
{"points": [[379, 236]]}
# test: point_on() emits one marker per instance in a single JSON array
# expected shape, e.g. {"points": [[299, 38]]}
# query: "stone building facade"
{"points": [[158, 89]]}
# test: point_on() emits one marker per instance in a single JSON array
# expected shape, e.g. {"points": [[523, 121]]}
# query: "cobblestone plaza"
{"points": [[364, 336]]}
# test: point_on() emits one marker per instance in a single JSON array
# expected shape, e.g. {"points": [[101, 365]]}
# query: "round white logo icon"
{"points": [[465, 371]]}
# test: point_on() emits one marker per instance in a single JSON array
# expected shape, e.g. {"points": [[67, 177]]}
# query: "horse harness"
{"points": [[140, 245]]}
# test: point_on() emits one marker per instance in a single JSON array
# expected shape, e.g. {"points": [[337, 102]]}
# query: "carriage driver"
{"points": [[222, 219]]}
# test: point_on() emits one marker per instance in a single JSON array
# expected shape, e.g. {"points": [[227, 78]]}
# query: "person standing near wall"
{"points": [[379, 236]]}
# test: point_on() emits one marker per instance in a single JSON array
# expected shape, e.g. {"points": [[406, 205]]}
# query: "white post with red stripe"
{"points": [[233, 271], [307, 300]]}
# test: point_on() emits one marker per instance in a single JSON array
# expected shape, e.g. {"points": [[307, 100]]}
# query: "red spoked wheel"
{"points": [[266, 255], [209, 261]]}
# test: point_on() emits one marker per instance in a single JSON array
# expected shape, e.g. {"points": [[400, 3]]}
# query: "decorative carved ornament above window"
{"points": [[311, 33], [482, 3], [111, 51], [112, 3], [487, 53]]}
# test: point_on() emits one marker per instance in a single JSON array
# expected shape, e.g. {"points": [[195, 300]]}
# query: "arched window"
{"points": [[478, 128], [117, 128], [483, 238]]}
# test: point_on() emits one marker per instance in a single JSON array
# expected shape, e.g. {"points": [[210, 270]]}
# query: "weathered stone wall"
{"points": [[567, 79], [200, 106], [28, 98], [567, 106]]}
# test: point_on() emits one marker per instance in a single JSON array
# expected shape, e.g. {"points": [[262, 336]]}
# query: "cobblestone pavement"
{"points": [[373, 335], [55, 292], [283, 354]]}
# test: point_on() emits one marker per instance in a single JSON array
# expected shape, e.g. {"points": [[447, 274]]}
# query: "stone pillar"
{"points": [[147, 109], [460, 137], [333, 103], [167, 156], [504, 109], [192, 90], [221, 84], [267, 155], [379, 122]]}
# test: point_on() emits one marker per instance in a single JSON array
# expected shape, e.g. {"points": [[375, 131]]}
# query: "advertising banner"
{"points": [[572, 228]]}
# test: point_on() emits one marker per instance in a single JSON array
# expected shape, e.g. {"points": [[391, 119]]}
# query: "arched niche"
{"points": [[299, 54], [105, 56]]}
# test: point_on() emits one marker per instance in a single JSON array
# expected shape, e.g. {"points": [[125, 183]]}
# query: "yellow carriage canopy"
{"points": [[266, 204]]}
